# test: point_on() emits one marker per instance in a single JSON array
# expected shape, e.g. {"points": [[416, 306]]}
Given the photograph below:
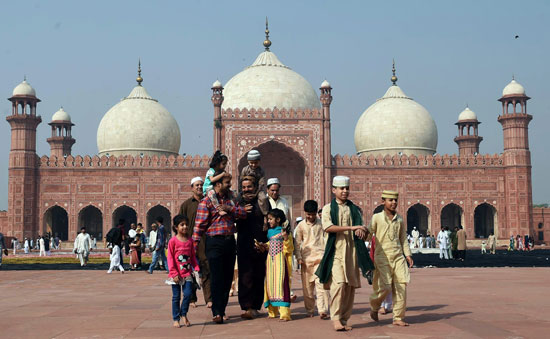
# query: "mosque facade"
{"points": [[138, 172]]}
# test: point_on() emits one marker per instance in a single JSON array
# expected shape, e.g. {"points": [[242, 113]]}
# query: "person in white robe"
{"points": [[115, 259], [42, 247], [26, 247], [415, 234], [83, 246], [443, 241]]}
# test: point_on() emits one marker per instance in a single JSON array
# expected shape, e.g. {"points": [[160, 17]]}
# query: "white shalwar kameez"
{"points": [[82, 246], [115, 259]]}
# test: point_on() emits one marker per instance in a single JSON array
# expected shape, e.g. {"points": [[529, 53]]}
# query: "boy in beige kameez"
{"points": [[391, 251], [310, 246]]}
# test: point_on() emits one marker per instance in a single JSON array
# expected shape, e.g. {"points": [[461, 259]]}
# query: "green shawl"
{"points": [[324, 270]]}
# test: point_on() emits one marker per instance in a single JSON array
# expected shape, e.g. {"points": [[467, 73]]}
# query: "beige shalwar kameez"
{"points": [[392, 273], [345, 270], [310, 246]]}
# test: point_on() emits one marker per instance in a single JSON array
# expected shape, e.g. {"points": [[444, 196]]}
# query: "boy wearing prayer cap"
{"points": [[345, 253], [255, 170], [391, 274]]}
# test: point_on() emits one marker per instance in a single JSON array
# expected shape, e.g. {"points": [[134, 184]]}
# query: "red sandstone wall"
{"points": [[108, 183], [4, 222], [541, 225], [431, 181]]}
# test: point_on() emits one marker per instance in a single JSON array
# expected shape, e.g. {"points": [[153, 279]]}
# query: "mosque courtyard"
{"points": [[442, 303]]}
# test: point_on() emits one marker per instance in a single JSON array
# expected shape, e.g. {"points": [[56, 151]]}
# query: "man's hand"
{"points": [[410, 261], [248, 208], [300, 262]]}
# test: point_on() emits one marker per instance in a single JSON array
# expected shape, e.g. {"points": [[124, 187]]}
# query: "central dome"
{"points": [[396, 124], [269, 84], [138, 125]]}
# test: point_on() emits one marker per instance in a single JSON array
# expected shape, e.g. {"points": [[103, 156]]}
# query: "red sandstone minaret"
{"points": [[326, 100], [217, 100], [23, 163], [468, 138], [61, 140], [517, 159]]}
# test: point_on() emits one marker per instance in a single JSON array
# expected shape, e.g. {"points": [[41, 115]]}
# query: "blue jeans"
{"points": [[177, 310], [155, 260]]}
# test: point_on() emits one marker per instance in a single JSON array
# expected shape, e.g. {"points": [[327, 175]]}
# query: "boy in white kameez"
{"points": [[310, 246], [115, 259]]}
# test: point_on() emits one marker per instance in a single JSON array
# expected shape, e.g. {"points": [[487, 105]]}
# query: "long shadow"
{"points": [[425, 308], [415, 319]]}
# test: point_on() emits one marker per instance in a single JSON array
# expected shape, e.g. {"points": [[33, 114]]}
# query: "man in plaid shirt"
{"points": [[220, 242]]}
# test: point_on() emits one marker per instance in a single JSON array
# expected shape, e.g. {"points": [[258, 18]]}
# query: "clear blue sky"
{"points": [[83, 56]]}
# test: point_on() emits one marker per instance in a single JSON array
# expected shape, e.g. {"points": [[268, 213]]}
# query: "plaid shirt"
{"points": [[210, 221]]}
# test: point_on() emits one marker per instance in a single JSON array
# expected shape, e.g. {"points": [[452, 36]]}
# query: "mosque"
{"points": [[138, 172]]}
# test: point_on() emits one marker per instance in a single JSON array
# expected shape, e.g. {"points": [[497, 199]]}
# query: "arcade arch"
{"points": [[485, 221], [160, 211], [56, 222], [283, 162], [452, 216], [127, 213], [91, 218], [418, 216]]}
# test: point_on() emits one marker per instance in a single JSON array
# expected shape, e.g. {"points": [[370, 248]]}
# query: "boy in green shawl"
{"points": [[345, 253]]}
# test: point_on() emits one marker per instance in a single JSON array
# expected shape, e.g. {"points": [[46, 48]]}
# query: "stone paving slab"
{"points": [[442, 303]]}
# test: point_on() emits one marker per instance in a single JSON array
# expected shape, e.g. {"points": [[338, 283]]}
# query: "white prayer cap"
{"points": [[272, 181], [195, 179], [132, 233], [253, 155], [340, 181], [299, 219]]}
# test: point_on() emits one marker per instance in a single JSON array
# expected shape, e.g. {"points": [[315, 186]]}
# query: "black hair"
{"points": [[320, 211], [82, 228], [311, 206], [121, 221], [139, 224], [178, 219], [278, 214], [160, 219], [217, 159]]}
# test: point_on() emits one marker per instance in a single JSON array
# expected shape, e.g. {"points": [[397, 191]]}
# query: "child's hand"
{"points": [[177, 279], [285, 235]]}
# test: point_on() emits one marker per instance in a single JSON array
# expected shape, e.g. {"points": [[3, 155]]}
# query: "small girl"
{"points": [[278, 266], [135, 247], [115, 258], [215, 173], [182, 266]]}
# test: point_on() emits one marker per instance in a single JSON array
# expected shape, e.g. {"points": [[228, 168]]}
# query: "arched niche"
{"points": [[56, 222]]}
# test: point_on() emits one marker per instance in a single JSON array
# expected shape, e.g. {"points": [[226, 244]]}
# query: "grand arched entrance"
{"points": [[485, 221], [160, 211], [127, 213], [418, 216], [91, 218], [452, 216], [56, 222], [286, 164]]}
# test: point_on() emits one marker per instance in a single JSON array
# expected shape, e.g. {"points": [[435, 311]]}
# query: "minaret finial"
{"points": [[139, 79], [393, 78], [267, 42], [513, 77]]}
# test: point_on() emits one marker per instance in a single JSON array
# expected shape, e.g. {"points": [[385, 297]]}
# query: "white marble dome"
{"points": [[513, 88], [138, 125], [24, 89], [396, 124], [61, 115], [467, 114], [267, 83]]}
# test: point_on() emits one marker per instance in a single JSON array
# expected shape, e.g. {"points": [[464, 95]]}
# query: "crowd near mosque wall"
{"points": [[271, 108]]}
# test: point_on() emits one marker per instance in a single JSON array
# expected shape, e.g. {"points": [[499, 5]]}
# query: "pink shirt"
{"points": [[181, 258]]}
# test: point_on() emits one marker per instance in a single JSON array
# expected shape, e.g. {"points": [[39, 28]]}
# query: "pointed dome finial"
{"points": [[393, 78], [24, 77], [513, 77], [267, 42], [139, 79]]}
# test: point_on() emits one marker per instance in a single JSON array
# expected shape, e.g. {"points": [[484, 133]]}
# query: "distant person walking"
{"points": [[492, 243], [159, 247], [461, 244], [82, 246], [42, 247], [26, 246], [3, 249], [443, 241]]}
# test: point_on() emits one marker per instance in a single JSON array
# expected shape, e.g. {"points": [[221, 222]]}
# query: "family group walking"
{"points": [[331, 250]]}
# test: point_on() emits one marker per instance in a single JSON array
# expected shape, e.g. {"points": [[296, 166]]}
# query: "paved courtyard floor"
{"points": [[442, 303]]}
